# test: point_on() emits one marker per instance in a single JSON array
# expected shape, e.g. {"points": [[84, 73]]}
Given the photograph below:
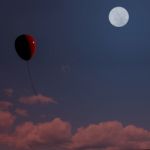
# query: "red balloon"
{"points": [[25, 46]]}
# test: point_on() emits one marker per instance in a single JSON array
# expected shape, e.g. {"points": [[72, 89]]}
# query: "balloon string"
{"points": [[31, 79]]}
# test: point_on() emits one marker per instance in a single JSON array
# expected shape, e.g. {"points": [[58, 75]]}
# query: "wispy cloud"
{"points": [[21, 112], [37, 99]]}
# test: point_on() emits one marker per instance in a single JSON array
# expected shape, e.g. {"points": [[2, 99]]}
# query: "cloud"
{"points": [[37, 99], [21, 112], [6, 140], [6, 119], [5, 105], [54, 134], [8, 92], [57, 135], [110, 136]]}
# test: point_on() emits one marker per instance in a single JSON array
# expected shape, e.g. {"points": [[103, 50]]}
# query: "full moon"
{"points": [[118, 16]]}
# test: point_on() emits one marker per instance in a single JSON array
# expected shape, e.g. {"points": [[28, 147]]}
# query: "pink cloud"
{"points": [[110, 136], [21, 112], [57, 135], [54, 134], [5, 105], [6, 140], [6, 119], [37, 99]]}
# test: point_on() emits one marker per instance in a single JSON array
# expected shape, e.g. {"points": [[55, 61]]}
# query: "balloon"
{"points": [[25, 46]]}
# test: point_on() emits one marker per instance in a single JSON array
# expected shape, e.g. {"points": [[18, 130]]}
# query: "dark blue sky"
{"points": [[107, 69]]}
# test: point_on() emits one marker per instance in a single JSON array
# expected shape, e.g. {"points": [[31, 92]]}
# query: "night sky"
{"points": [[86, 71]]}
